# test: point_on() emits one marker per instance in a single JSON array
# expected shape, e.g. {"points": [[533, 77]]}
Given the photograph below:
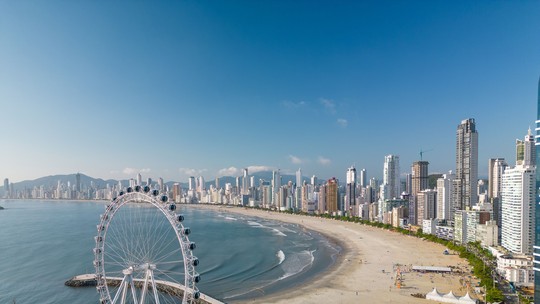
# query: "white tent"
{"points": [[450, 297], [467, 299], [434, 295]]}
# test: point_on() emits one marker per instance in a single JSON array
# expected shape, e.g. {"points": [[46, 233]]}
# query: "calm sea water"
{"points": [[44, 243]]}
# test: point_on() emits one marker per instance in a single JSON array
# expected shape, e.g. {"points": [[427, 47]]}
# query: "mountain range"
{"points": [[52, 180]]}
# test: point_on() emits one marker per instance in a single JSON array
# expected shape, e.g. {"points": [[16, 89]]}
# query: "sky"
{"points": [[175, 89]]}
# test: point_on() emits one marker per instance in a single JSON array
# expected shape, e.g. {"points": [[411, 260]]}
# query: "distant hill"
{"points": [[52, 180]]}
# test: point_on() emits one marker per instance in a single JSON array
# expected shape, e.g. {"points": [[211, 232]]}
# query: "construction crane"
{"points": [[424, 151]]}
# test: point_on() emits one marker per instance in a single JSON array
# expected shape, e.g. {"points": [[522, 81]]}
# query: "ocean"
{"points": [[44, 243]]}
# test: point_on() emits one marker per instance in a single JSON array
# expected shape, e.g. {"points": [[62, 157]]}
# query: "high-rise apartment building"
{"points": [[332, 195], [245, 182], [276, 184], [419, 177], [536, 251], [363, 178], [517, 200], [526, 150], [201, 184], [391, 176], [299, 177], [466, 180], [6, 188], [418, 182], [161, 184], [444, 197], [426, 201], [191, 183], [350, 190], [408, 183], [177, 192], [496, 167]]}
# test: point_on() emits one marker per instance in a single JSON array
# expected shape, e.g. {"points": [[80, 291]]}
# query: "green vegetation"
{"points": [[432, 180]]}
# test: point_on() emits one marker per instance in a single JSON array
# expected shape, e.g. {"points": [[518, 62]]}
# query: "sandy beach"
{"points": [[364, 272]]}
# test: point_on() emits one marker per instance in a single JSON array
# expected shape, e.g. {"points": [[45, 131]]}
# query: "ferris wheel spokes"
{"points": [[142, 249]]}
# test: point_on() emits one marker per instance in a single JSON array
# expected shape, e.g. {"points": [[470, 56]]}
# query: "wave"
{"points": [[297, 263], [291, 266], [281, 257], [259, 225], [230, 218], [251, 223], [277, 232]]}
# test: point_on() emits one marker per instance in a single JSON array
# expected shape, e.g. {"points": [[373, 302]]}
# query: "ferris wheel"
{"points": [[143, 254]]}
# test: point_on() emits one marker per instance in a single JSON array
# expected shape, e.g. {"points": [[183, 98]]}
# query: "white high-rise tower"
{"points": [[444, 197], [518, 209], [363, 178], [518, 199], [276, 184], [391, 176]]}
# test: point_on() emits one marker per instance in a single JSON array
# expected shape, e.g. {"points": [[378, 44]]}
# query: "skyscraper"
{"points": [[444, 197], [418, 182], [201, 184], [78, 184], [536, 248], [391, 176], [363, 178], [496, 167], [276, 184], [419, 177], [160, 184], [332, 195], [517, 200], [350, 202], [6, 188], [426, 202], [245, 182], [525, 150], [191, 183], [299, 177], [314, 180], [465, 184]]}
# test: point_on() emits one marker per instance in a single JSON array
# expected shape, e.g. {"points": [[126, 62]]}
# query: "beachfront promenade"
{"points": [[85, 280]]}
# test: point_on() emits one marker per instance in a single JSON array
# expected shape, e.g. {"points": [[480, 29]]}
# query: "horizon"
{"points": [[174, 90]]}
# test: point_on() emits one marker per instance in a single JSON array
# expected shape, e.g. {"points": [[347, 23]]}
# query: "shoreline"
{"points": [[363, 271]]}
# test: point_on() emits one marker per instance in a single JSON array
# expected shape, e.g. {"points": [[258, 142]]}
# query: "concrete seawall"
{"points": [[88, 280]]}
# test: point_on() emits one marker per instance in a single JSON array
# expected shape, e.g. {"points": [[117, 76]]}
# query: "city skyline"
{"points": [[207, 89]]}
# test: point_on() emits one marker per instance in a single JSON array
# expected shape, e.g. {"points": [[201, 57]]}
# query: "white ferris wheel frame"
{"points": [[140, 194]]}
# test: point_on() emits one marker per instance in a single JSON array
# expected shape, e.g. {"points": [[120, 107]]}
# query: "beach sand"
{"points": [[363, 272]]}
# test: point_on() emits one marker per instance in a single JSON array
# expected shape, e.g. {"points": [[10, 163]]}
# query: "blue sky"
{"points": [[179, 88]]}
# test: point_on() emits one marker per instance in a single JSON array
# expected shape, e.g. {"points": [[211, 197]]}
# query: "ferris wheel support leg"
{"points": [[120, 290], [154, 288], [145, 287], [124, 292], [133, 293]]}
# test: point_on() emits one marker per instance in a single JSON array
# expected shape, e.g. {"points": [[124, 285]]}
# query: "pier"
{"points": [[85, 280]]}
